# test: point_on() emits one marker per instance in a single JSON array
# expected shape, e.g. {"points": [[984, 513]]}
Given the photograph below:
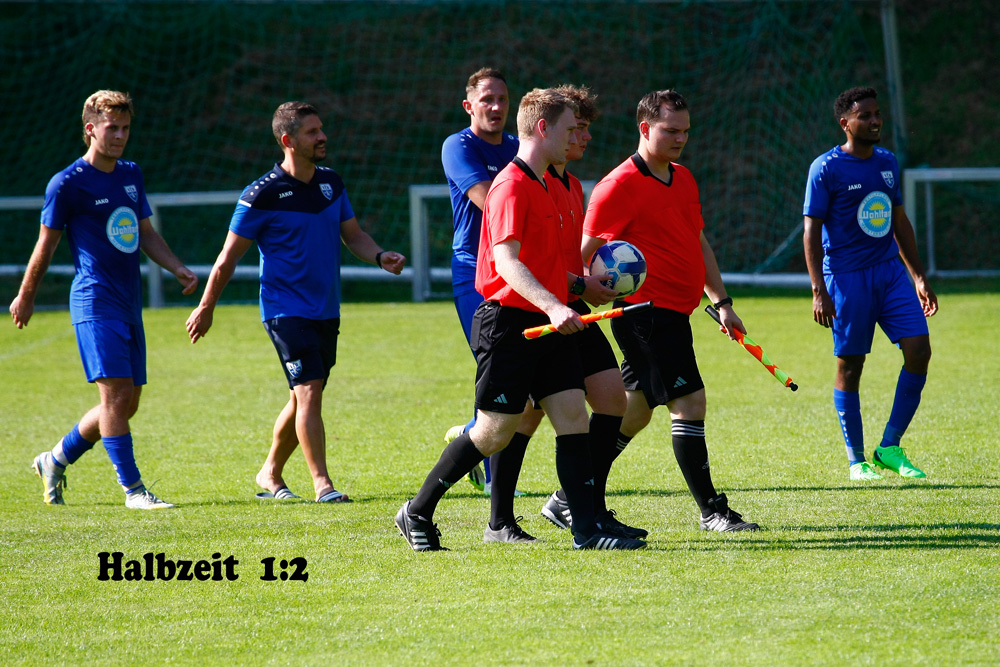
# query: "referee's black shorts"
{"points": [[596, 353], [511, 368], [659, 354]]}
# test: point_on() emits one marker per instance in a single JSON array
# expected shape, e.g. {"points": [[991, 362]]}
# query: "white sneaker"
{"points": [[53, 480], [145, 500]]}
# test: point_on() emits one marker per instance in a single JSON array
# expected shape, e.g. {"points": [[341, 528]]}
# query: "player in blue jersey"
{"points": [[472, 158], [855, 232], [100, 203], [298, 213]]}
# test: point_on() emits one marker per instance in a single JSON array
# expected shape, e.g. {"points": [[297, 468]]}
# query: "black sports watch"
{"points": [[728, 301], [579, 286]]}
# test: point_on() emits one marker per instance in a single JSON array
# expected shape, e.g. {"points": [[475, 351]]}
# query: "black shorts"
{"points": [[510, 367], [596, 353], [659, 354], [307, 348]]}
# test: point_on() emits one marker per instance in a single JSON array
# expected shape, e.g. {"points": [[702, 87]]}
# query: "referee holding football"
{"points": [[522, 287], [298, 213], [652, 202]]}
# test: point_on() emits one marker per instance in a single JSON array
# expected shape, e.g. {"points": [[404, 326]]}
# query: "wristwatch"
{"points": [[579, 286], [728, 301]]}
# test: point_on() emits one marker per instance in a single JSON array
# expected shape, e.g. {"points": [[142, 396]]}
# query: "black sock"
{"points": [[458, 458], [603, 452], [505, 467], [691, 453], [576, 475]]}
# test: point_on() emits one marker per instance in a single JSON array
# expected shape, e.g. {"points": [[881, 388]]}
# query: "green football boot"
{"points": [[894, 459], [863, 471]]}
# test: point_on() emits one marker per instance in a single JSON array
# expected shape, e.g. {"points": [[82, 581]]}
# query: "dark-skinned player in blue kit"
{"points": [[856, 231]]}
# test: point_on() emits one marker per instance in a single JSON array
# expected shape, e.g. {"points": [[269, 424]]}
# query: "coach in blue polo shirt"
{"points": [[298, 213]]}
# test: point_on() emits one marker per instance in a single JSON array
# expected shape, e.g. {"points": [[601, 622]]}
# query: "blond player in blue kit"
{"points": [[99, 201]]}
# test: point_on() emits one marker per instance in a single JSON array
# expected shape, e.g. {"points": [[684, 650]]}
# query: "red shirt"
{"points": [[663, 221], [568, 194], [519, 208]]}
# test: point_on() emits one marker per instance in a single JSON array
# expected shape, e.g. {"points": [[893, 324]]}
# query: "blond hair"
{"points": [[541, 104], [104, 102]]}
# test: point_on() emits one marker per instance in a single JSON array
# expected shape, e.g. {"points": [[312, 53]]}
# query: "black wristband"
{"points": [[378, 260], [579, 286], [728, 301]]}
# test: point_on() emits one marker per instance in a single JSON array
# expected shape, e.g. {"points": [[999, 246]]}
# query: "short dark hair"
{"points": [[847, 99], [288, 118], [649, 106], [482, 74], [584, 98]]}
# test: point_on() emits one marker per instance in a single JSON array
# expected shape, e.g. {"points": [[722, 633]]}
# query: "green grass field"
{"points": [[892, 573]]}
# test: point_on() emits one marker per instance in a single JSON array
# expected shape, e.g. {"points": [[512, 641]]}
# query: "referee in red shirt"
{"points": [[652, 202], [523, 281]]}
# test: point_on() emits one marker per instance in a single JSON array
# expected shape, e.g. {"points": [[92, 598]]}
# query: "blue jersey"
{"points": [[100, 214], [854, 198], [468, 160], [297, 228]]}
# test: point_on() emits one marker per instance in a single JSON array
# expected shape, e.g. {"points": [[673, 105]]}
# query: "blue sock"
{"points": [[904, 406], [848, 406], [73, 446], [119, 449]]}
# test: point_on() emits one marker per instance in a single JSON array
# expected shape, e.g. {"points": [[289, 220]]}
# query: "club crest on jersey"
{"points": [[889, 178], [132, 192], [123, 229], [875, 214], [327, 190], [294, 368]]}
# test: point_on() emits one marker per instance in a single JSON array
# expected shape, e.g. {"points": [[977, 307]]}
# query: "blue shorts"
{"points": [[880, 294], [307, 348], [112, 349], [467, 299]]}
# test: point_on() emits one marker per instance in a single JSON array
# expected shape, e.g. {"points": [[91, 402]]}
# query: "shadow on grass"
{"points": [[872, 486], [805, 538]]}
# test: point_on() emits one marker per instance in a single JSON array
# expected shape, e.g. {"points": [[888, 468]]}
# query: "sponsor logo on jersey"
{"points": [[285, 194], [100, 201], [875, 214], [889, 178], [490, 167], [327, 190], [855, 186], [294, 368], [132, 192], [123, 229]]}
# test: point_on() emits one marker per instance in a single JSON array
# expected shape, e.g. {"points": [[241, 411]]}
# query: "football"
{"points": [[623, 262]]}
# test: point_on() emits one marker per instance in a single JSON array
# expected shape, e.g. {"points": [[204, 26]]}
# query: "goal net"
{"points": [[388, 77]]}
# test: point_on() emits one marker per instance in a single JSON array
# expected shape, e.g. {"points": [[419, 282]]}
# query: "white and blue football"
{"points": [[623, 262]]}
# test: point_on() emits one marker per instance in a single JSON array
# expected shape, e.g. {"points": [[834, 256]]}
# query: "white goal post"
{"points": [[911, 177]]}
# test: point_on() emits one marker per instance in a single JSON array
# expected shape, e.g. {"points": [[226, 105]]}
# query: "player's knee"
{"points": [[917, 354]]}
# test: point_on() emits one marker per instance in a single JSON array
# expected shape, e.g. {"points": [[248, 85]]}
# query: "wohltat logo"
{"points": [[132, 192], [875, 214], [327, 190], [123, 229]]}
